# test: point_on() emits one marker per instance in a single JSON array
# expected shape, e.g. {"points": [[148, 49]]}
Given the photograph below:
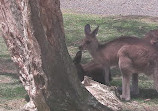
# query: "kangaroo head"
{"points": [[79, 68], [77, 58], [90, 42], [152, 36]]}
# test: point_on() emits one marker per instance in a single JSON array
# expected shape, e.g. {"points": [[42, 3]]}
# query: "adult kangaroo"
{"points": [[141, 57], [107, 54]]}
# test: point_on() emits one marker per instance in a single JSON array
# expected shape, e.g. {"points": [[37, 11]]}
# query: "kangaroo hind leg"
{"points": [[126, 68]]}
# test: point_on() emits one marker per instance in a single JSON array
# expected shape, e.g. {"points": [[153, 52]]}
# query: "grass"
{"points": [[109, 28], [11, 92], [147, 90], [11, 88]]}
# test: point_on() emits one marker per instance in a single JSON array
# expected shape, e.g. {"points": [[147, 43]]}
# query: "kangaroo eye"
{"points": [[88, 42]]}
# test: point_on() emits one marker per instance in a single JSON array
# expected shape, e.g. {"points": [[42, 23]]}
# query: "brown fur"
{"points": [[107, 54], [152, 36], [141, 57], [95, 71], [104, 54], [79, 68]]}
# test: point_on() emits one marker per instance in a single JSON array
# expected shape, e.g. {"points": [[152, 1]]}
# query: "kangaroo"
{"points": [[106, 54], [95, 71], [140, 57]]}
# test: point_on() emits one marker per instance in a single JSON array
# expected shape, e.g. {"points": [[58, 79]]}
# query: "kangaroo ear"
{"points": [[77, 58], [87, 29], [95, 32]]}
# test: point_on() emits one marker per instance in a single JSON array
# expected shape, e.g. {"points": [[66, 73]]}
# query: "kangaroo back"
{"points": [[106, 53]]}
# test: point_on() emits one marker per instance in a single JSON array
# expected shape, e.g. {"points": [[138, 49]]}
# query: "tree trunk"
{"points": [[33, 31]]}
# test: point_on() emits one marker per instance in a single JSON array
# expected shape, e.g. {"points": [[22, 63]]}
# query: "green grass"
{"points": [[12, 92], [11, 88], [109, 28]]}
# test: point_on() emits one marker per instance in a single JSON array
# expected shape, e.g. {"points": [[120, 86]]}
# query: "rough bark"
{"points": [[33, 31]]}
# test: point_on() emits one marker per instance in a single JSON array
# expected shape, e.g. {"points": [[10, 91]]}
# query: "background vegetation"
{"points": [[12, 91]]}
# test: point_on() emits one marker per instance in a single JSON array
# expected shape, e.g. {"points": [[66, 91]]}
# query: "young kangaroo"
{"points": [[106, 54], [141, 57], [95, 71]]}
